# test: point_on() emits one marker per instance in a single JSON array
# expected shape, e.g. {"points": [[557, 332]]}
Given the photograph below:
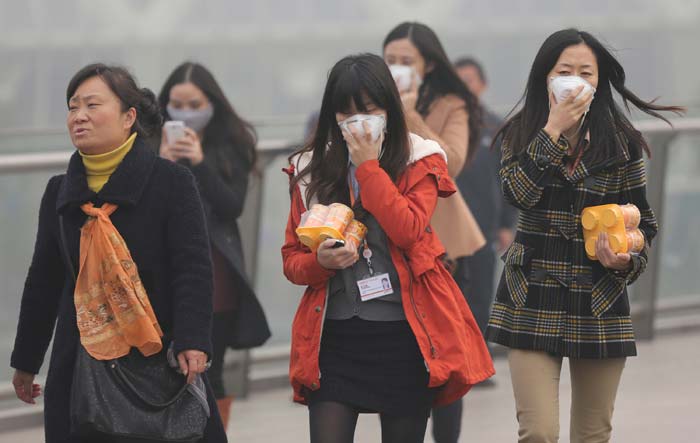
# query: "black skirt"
{"points": [[374, 366]]}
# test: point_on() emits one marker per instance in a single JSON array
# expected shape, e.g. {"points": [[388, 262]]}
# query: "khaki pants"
{"points": [[594, 383]]}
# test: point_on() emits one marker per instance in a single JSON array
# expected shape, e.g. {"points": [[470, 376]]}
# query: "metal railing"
{"points": [[645, 307]]}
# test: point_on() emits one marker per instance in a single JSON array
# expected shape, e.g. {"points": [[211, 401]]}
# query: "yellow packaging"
{"points": [[323, 222], [355, 233], [604, 218]]}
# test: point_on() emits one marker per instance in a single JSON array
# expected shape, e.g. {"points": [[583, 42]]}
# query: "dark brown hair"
{"points": [[227, 136], [124, 86], [606, 118], [353, 80], [441, 80]]}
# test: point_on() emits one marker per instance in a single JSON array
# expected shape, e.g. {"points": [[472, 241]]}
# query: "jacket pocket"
{"points": [[605, 293], [516, 258]]}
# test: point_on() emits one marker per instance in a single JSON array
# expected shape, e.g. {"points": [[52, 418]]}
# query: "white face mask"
{"points": [[376, 123], [563, 85], [403, 76]]}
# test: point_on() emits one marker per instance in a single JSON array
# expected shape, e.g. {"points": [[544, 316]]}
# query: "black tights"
{"points": [[332, 422]]}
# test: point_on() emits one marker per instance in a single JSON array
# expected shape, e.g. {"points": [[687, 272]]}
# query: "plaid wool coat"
{"points": [[551, 296]]}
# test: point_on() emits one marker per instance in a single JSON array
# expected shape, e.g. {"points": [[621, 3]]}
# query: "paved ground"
{"points": [[659, 401]]}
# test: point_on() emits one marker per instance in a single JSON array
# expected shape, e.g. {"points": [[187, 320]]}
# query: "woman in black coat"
{"points": [[159, 216], [219, 148]]}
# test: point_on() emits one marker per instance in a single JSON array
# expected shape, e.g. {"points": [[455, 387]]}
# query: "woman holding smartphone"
{"points": [[219, 148]]}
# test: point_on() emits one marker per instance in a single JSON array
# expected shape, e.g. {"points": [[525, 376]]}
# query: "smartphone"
{"points": [[174, 130], [338, 244]]}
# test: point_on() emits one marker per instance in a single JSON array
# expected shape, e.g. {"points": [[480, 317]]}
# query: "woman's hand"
{"points": [[188, 147], [563, 116], [336, 258], [192, 362], [25, 388], [609, 259], [164, 150], [409, 98], [361, 147]]}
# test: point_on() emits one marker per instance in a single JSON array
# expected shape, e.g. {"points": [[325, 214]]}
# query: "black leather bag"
{"points": [[246, 325], [132, 398]]}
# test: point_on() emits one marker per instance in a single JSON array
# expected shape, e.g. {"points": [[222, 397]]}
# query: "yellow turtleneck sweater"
{"points": [[101, 166]]}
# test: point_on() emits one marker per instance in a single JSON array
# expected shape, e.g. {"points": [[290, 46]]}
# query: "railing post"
{"points": [[645, 289]]}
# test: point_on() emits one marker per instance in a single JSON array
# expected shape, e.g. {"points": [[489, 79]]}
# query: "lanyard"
{"points": [[366, 251]]}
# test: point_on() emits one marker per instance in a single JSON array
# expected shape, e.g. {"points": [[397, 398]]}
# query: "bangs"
{"points": [[355, 88]]}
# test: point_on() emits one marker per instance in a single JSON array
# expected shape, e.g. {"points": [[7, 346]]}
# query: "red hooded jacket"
{"points": [[446, 332]]}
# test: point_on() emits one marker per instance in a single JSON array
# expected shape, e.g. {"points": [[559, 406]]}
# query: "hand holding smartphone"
{"points": [[174, 130]]}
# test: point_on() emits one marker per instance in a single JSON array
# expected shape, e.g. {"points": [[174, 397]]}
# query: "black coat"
{"points": [[223, 201], [223, 196], [161, 219]]}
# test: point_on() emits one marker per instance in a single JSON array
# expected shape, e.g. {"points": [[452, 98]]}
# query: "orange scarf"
{"points": [[112, 306]]}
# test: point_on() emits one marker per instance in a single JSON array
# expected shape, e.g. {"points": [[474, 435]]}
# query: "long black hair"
{"points": [[442, 79], [227, 136], [605, 118], [124, 86], [353, 80]]}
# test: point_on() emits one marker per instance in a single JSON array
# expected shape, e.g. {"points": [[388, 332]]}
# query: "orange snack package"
{"points": [[339, 217], [355, 233], [635, 241], [631, 215]]}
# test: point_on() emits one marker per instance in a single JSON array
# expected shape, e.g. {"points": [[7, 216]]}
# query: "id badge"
{"points": [[375, 286]]}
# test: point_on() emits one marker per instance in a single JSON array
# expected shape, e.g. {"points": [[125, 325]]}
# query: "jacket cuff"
{"points": [[630, 275], [320, 274], [545, 152], [367, 168], [23, 365], [191, 343]]}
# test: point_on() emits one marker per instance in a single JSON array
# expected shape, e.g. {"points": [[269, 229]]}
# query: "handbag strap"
{"points": [[122, 374], [64, 243]]}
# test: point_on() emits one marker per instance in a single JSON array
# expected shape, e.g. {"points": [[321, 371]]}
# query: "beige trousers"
{"points": [[594, 383]]}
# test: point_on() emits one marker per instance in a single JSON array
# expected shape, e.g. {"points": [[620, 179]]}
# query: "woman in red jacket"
{"points": [[416, 346]]}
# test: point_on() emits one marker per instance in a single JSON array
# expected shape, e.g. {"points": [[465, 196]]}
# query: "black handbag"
{"points": [[132, 398], [246, 325]]}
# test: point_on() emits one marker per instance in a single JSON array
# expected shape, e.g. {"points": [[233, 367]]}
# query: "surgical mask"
{"points": [[195, 119], [562, 86], [376, 123], [403, 76]]}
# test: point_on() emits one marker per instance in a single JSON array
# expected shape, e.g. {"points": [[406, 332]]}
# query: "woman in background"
{"points": [[219, 148], [438, 106]]}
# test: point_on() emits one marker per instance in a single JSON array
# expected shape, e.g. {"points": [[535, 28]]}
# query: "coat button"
{"points": [[542, 161], [317, 309]]}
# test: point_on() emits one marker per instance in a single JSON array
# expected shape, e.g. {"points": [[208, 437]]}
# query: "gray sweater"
{"points": [[344, 296]]}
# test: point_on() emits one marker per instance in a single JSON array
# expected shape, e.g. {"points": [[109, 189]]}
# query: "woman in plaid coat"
{"points": [[559, 157]]}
